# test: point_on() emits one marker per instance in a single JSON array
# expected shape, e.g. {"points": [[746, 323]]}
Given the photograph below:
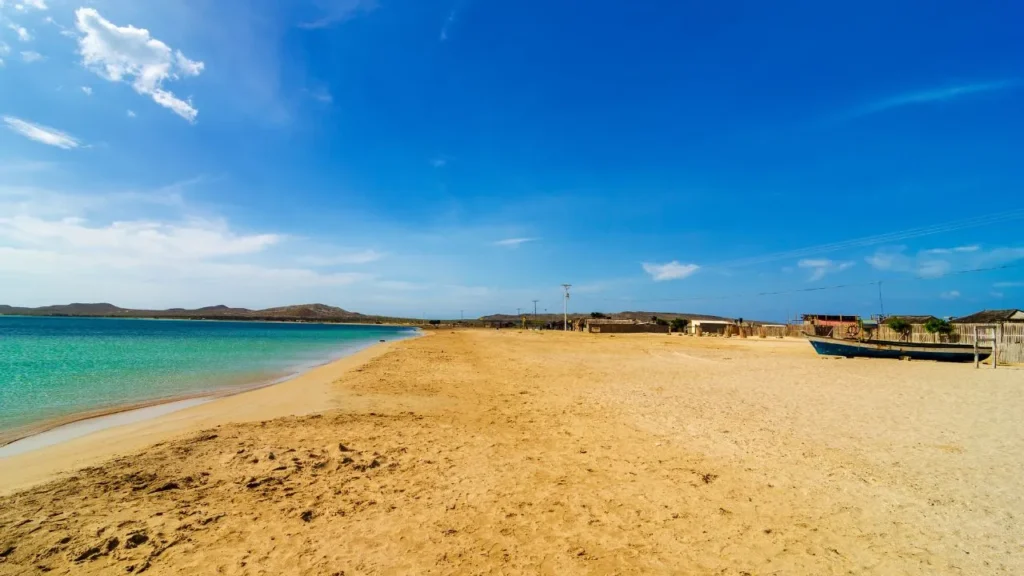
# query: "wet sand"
{"points": [[507, 452]]}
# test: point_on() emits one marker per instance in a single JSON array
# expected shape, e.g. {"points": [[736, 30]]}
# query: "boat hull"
{"points": [[896, 350]]}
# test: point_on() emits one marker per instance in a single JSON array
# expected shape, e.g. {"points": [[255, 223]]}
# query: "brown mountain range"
{"points": [[318, 312]]}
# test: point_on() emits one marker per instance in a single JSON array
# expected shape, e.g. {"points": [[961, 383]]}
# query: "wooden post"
{"points": [[978, 340], [977, 362]]}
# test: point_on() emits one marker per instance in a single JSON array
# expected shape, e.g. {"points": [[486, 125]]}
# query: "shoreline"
{"points": [[308, 392], [8, 437]]}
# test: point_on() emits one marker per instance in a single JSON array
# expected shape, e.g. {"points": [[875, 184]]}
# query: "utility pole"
{"points": [[535, 308], [565, 308], [881, 303]]}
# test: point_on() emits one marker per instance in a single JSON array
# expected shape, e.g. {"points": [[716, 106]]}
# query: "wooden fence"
{"points": [[1011, 338]]}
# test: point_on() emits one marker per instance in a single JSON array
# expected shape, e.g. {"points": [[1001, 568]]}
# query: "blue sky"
{"points": [[432, 157]]}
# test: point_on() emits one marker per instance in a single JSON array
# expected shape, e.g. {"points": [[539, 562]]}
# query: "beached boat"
{"points": [[889, 349]]}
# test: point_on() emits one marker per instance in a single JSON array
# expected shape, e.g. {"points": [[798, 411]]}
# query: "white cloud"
{"points": [[447, 25], [1009, 284], [995, 294], [122, 53], [337, 11], [195, 239], [514, 242], [61, 248], [4, 48], [933, 268], [957, 250], [34, 4], [821, 267], [934, 95], [926, 264], [951, 295], [22, 32], [131, 114], [87, 90], [438, 162], [30, 56], [321, 95], [670, 271], [361, 257], [40, 133]]}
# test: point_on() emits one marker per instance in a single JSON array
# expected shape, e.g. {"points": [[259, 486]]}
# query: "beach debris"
{"points": [[343, 448], [112, 543], [307, 516], [7, 551], [708, 478], [271, 456]]}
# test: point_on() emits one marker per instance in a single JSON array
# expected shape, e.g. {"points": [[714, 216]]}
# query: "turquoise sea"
{"points": [[56, 367]]}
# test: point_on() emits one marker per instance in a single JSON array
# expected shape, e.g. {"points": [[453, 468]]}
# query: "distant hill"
{"points": [[301, 312], [77, 308]]}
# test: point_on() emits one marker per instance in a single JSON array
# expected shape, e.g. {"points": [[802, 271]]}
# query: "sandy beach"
{"points": [[507, 452]]}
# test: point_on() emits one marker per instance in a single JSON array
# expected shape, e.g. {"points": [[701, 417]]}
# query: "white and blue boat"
{"points": [[896, 350]]}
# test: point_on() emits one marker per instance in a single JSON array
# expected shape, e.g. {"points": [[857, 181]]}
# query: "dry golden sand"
{"points": [[507, 452]]}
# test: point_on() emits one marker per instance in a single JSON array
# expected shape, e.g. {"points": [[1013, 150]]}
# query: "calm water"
{"points": [[52, 367]]}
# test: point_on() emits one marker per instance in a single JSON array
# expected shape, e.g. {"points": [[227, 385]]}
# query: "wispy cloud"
{"points": [[42, 134], [514, 242], [957, 250], [321, 95], [1009, 284], [821, 267], [448, 24], [670, 270], [23, 34], [886, 238], [119, 53], [438, 162], [361, 257], [87, 90], [338, 11], [951, 295], [31, 56], [131, 114], [935, 263], [943, 94]]}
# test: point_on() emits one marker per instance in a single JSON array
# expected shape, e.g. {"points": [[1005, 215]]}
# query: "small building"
{"points": [[709, 326], [609, 326], [831, 325], [910, 318], [829, 319], [992, 317]]}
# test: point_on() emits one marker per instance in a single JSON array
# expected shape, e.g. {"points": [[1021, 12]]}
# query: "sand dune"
{"points": [[507, 452]]}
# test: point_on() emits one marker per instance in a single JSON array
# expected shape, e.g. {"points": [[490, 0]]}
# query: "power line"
{"points": [[822, 288], [876, 239]]}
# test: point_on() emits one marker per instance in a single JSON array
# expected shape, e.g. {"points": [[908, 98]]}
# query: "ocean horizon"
{"points": [[53, 368]]}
